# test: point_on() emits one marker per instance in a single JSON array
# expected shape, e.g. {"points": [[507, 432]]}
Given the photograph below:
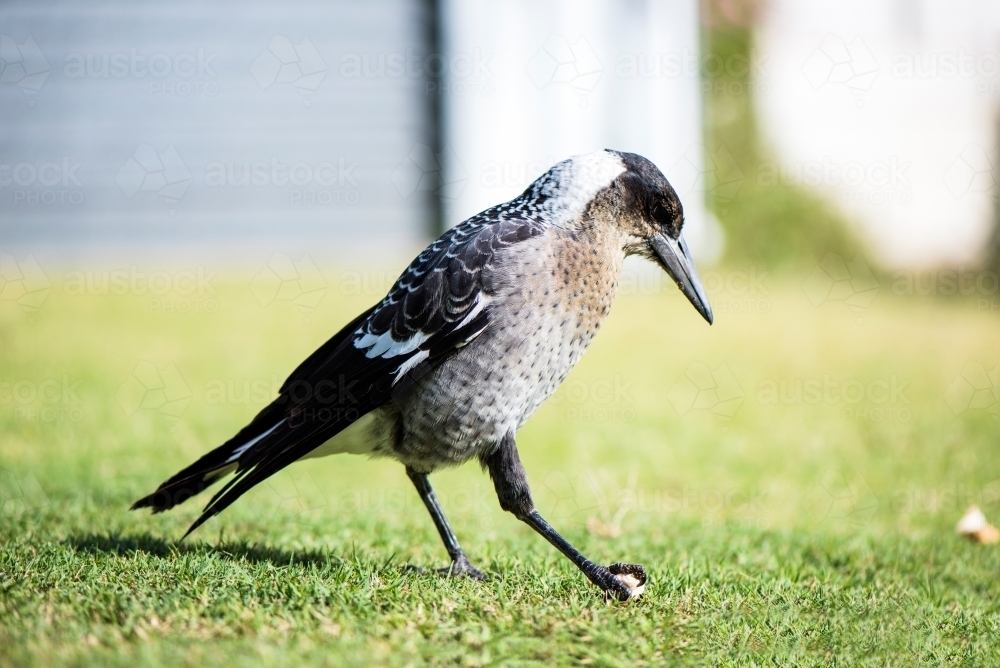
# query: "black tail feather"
{"points": [[203, 473], [279, 449], [335, 386]]}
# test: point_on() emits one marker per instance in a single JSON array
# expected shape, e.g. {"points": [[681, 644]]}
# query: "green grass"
{"points": [[787, 533]]}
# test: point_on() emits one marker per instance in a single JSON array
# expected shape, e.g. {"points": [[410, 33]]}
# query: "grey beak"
{"points": [[677, 261]]}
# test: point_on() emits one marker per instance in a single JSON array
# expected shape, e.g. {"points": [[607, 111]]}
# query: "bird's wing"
{"points": [[438, 305]]}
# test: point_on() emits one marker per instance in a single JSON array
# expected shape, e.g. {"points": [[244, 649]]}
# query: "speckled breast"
{"points": [[549, 296]]}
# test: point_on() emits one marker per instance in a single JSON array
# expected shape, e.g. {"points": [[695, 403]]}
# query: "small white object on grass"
{"points": [[974, 526]]}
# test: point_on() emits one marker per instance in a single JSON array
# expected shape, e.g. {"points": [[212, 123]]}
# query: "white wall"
{"points": [[532, 83], [891, 108]]}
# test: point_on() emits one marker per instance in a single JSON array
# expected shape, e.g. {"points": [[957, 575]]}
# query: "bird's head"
{"points": [[627, 191]]}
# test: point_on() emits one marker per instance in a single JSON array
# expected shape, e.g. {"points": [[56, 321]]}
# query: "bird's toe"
{"points": [[626, 581], [462, 568]]}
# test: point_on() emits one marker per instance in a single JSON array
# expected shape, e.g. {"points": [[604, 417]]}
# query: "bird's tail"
{"points": [[212, 466]]}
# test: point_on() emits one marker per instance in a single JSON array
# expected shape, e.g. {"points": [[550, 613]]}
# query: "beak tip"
{"points": [[676, 260], [705, 309]]}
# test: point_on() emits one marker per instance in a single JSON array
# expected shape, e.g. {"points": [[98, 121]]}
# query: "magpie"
{"points": [[475, 334]]}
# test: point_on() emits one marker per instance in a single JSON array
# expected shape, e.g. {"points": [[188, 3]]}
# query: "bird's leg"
{"points": [[624, 581], [460, 565]]}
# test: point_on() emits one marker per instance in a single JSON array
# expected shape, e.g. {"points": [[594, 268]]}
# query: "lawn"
{"points": [[790, 477]]}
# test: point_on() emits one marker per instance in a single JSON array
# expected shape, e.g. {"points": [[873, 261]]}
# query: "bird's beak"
{"points": [[676, 260]]}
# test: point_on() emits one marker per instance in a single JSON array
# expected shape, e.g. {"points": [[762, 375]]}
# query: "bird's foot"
{"points": [[622, 581], [459, 568]]}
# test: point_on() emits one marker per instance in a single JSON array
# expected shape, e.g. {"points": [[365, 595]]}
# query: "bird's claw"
{"points": [[624, 581], [459, 568]]}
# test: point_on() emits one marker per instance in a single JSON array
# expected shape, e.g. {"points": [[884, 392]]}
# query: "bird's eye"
{"points": [[661, 215]]}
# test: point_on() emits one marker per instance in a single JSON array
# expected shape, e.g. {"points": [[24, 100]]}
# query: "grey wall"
{"points": [[95, 148]]}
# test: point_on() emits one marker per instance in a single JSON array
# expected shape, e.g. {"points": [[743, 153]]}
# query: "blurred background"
{"points": [[790, 129], [193, 197]]}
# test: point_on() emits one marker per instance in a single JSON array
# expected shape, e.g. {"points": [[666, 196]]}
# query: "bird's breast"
{"points": [[549, 297]]}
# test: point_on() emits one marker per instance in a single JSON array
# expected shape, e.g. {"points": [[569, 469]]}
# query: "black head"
{"points": [[646, 192], [649, 209], [627, 191]]}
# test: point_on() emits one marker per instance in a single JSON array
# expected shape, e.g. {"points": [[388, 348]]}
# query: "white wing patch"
{"points": [[385, 346], [481, 303], [249, 444], [409, 364]]}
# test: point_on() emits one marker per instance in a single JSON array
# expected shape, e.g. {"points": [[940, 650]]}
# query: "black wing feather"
{"points": [[433, 304]]}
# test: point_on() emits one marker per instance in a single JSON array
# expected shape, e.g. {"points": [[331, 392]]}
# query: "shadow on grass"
{"points": [[116, 543]]}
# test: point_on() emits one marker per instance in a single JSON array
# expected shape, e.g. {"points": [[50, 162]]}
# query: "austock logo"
{"points": [[836, 62], [597, 501], [879, 400], [19, 494], [877, 182], [983, 283], [509, 174], [292, 493], [149, 170], [835, 280], [283, 62], [423, 171], [183, 291], [147, 388], [52, 182], [194, 70], [49, 400], [710, 174], [715, 391], [603, 400], [945, 65], [839, 500], [295, 281], [24, 283], [253, 391], [601, 503], [325, 182], [975, 388], [23, 65], [734, 292], [560, 61], [459, 73], [567, 498], [370, 283], [972, 171], [691, 64]]}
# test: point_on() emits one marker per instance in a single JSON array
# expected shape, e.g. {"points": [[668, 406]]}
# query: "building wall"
{"points": [[289, 123], [891, 108], [547, 80], [307, 126]]}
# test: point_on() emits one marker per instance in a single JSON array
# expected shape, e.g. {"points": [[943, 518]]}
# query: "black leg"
{"points": [[624, 581], [460, 565]]}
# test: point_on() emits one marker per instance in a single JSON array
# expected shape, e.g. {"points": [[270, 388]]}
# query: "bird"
{"points": [[474, 335]]}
